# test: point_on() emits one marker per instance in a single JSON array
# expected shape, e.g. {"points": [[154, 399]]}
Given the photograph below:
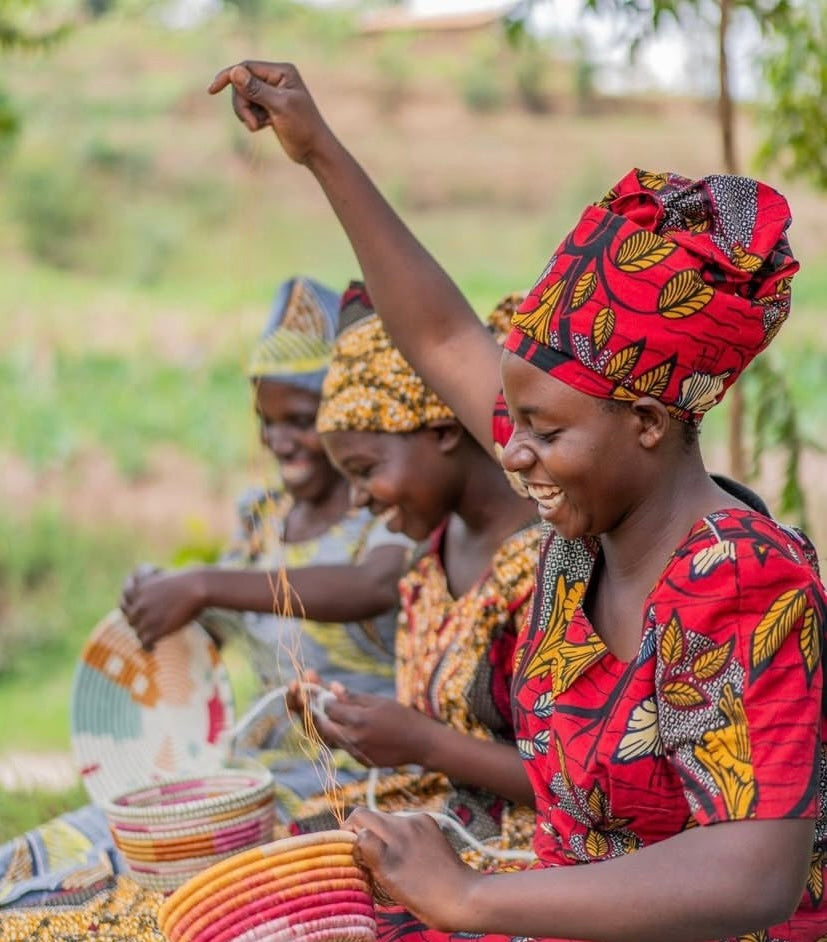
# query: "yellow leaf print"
{"points": [[652, 181], [607, 199], [710, 557], [623, 362], [726, 755], [746, 261], [815, 878], [536, 323], [642, 736], [566, 599], [598, 804], [603, 327], [809, 641], [583, 290], [776, 625], [710, 663], [671, 642], [623, 394], [699, 224], [596, 845], [683, 294], [561, 759], [570, 660], [760, 935], [630, 842], [654, 381], [682, 695], [642, 250]]}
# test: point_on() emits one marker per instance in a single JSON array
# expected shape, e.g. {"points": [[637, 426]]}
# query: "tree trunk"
{"points": [[726, 119]]}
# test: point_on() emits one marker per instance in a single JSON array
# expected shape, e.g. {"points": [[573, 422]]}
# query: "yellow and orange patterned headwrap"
{"points": [[369, 386]]}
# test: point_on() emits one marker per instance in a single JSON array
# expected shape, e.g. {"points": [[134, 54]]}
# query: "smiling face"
{"points": [[579, 458], [287, 427], [410, 476]]}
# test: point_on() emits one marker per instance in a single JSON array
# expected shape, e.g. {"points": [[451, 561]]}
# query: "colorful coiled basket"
{"points": [[298, 889], [146, 716], [170, 832]]}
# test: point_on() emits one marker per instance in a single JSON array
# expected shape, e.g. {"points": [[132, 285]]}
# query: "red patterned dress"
{"points": [[719, 716]]}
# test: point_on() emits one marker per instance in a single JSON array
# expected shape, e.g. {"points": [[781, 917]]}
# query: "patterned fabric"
{"points": [[65, 861], [68, 871], [454, 663], [358, 655], [667, 287], [123, 913], [719, 717], [296, 343], [370, 387]]}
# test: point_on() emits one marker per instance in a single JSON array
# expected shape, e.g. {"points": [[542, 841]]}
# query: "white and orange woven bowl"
{"points": [[146, 716], [171, 831], [298, 889]]}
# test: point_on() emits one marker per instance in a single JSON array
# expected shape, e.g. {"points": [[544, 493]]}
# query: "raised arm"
{"points": [[160, 603], [424, 311]]}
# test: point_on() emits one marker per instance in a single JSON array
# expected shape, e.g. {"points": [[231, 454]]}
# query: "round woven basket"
{"points": [[305, 888], [139, 716], [170, 832]]}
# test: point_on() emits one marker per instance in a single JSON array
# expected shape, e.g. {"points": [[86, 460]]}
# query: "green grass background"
{"points": [[143, 231]]}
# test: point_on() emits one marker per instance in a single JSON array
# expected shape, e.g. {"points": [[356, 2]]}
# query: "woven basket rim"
{"points": [[202, 898], [179, 930], [297, 911]]}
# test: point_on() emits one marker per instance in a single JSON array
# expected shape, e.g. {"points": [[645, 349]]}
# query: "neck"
{"points": [[487, 503], [676, 498], [328, 507]]}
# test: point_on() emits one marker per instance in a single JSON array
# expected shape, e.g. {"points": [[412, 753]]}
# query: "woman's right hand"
{"points": [[272, 94], [158, 603]]}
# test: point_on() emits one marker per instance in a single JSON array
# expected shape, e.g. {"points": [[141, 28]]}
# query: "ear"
{"points": [[652, 419], [449, 434]]}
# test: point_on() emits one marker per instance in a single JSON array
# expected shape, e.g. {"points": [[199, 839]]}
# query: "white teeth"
{"points": [[544, 493]]}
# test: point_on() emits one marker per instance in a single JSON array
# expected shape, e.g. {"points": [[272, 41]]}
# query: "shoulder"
{"points": [[514, 564], [746, 546], [740, 571], [256, 502]]}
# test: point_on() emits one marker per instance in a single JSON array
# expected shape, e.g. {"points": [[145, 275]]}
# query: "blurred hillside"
{"points": [[143, 231]]}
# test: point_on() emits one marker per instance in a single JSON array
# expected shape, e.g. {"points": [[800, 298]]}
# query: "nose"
{"points": [[359, 495], [516, 457], [278, 439]]}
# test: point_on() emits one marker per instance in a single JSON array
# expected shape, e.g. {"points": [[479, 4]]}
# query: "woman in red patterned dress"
{"points": [[668, 685]]}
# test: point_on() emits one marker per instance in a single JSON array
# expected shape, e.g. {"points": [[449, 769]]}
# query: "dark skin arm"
{"points": [[160, 603], [382, 732], [425, 313], [710, 882]]}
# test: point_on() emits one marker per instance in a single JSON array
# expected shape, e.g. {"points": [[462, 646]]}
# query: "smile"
{"points": [[549, 497]]}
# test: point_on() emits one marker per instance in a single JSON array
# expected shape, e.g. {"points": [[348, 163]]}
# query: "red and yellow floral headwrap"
{"points": [[370, 386], [667, 287]]}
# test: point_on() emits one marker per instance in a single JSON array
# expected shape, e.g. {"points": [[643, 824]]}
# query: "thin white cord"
{"points": [[446, 820], [318, 696]]}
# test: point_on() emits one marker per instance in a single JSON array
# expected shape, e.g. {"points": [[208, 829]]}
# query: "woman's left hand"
{"points": [[375, 730], [410, 861]]}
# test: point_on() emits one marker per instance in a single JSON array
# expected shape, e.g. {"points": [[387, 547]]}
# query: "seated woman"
{"points": [[342, 572], [408, 459], [314, 581], [668, 684]]}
